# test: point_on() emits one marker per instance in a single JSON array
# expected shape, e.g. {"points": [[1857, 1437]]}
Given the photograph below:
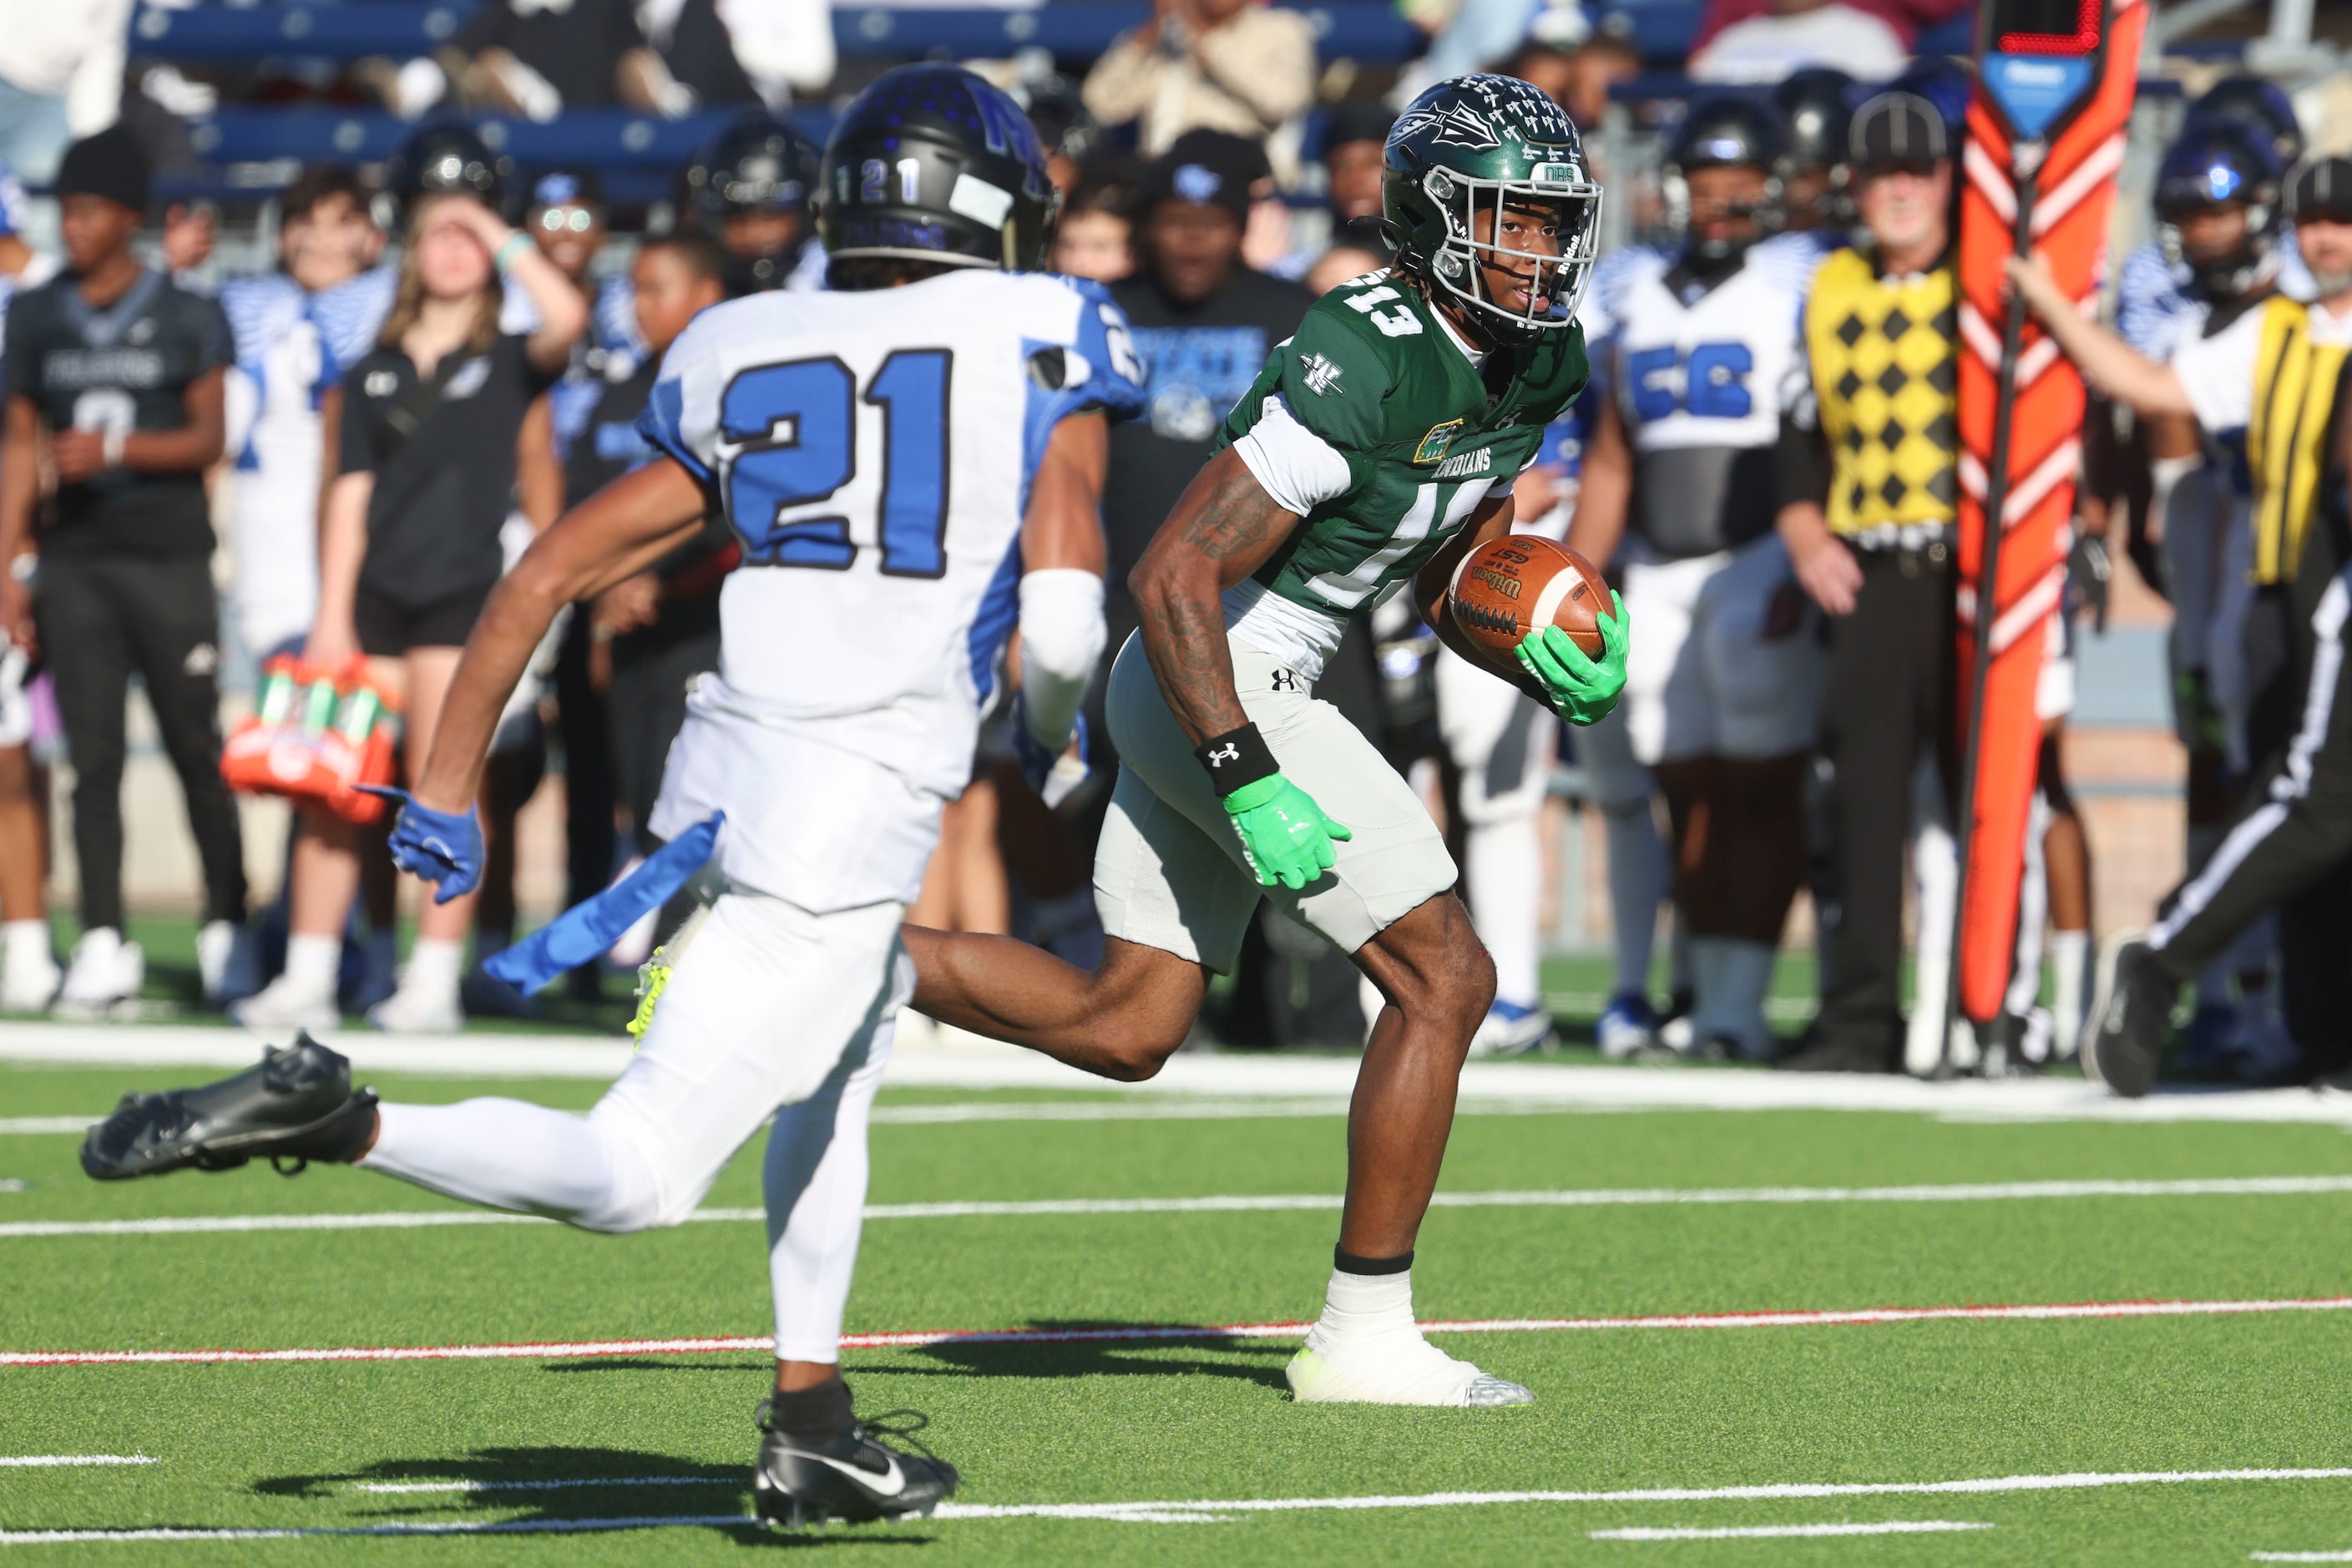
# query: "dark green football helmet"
{"points": [[1482, 143]]}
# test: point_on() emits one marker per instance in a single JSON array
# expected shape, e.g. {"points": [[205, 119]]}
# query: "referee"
{"points": [[119, 372], [1877, 553], [2277, 374]]}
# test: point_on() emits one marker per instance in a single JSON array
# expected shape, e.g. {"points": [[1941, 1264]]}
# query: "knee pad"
{"points": [[636, 1197]]}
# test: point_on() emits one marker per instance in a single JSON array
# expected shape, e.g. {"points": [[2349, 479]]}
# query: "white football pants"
{"points": [[772, 1009], [1501, 744]]}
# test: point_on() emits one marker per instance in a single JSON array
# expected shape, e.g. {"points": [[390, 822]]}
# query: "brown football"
{"points": [[1509, 587]]}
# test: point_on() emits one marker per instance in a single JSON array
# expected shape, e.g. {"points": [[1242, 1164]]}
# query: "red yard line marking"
{"points": [[582, 1349]]}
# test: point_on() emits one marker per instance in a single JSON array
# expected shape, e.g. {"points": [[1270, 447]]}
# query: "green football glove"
{"points": [[1284, 836], [1580, 688]]}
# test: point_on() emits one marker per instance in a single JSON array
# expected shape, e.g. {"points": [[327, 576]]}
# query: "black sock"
{"points": [[814, 1413], [1346, 1262]]}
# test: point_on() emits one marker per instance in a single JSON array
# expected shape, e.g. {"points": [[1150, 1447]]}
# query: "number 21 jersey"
{"points": [[873, 452]]}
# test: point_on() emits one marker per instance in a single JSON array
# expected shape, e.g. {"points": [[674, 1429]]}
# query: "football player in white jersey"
{"points": [[1722, 688], [912, 466]]}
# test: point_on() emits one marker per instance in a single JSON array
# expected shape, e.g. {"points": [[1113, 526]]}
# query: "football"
{"points": [[1509, 587]]}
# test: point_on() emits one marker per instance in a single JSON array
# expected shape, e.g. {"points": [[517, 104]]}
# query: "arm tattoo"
{"points": [[1232, 518], [1224, 526]]}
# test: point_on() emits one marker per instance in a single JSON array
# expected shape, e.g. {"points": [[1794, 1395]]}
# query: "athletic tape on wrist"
{"points": [[1235, 758]]}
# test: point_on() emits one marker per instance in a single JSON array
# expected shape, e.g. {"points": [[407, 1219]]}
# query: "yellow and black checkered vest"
{"points": [[1885, 365], [2295, 385]]}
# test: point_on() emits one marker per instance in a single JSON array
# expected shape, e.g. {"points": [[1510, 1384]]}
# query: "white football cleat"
{"points": [[418, 1010], [287, 1003], [1394, 1368], [227, 961], [1510, 1030], [28, 974], [106, 972]]}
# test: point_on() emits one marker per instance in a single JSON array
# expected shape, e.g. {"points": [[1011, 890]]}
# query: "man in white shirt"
{"points": [[2277, 374]]}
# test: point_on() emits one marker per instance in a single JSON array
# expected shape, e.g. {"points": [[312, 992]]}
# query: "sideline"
{"points": [[1283, 1075]]}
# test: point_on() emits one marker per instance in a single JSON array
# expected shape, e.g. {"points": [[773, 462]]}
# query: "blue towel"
{"points": [[588, 930]]}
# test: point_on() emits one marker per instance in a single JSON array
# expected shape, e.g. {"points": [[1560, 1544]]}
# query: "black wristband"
{"points": [[1235, 758]]}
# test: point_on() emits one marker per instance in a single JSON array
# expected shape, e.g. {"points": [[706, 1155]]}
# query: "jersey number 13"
{"points": [[793, 431]]}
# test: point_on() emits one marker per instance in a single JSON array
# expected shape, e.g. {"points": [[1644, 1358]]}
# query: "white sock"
{"points": [[313, 963], [1731, 992], [2070, 956], [433, 965], [1637, 885], [25, 937], [1367, 1305], [1504, 864]]}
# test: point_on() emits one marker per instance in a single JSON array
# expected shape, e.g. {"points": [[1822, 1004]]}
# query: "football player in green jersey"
{"points": [[1377, 447]]}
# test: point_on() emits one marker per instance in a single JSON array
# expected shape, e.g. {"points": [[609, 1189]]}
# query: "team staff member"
{"points": [[409, 536], [655, 632], [122, 371], [2276, 373], [1880, 335]]}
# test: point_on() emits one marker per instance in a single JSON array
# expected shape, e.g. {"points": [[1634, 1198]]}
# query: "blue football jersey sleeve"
{"points": [[1113, 372]]}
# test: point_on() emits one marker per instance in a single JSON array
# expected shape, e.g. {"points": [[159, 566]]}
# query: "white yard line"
{"points": [[76, 1125], [1571, 1197], [1272, 1074], [1196, 1511], [503, 1527], [56, 1461], [2079, 1481], [1767, 1532], [2302, 1556], [574, 1350]]}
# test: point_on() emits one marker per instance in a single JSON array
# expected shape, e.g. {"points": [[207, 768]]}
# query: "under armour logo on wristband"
{"points": [[1221, 756], [1284, 681]]}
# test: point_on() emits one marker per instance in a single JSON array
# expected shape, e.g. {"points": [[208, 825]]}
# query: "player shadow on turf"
{"points": [[551, 1486], [977, 1357]]}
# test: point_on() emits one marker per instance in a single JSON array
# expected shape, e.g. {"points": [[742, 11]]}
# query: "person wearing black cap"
{"points": [[1203, 323], [1881, 336], [119, 371], [2278, 372], [1814, 103]]}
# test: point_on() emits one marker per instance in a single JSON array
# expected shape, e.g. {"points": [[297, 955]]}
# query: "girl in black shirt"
{"points": [[408, 550]]}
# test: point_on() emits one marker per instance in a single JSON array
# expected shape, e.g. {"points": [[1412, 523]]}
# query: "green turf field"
{"points": [[548, 1441]]}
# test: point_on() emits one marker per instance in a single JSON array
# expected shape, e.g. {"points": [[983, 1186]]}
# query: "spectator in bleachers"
{"points": [[1095, 238], [653, 633], [428, 429], [752, 189], [741, 51], [1203, 323], [1355, 137], [1876, 554], [1233, 66], [295, 330], [1765, 40], [118, 372], [61, 76], [1466, 36], [1353, 255], [1067, 133]]}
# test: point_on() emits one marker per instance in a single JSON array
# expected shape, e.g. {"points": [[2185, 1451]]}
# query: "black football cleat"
{"points": [[2131, 1021], [297, 1106], [852, 1478]]}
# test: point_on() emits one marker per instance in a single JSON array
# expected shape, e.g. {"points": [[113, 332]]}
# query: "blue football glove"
{"points": [[1038, 763], [442, 848]]}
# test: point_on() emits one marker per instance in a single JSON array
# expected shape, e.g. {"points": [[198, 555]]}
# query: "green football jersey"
{"points": [[1426, 434]]}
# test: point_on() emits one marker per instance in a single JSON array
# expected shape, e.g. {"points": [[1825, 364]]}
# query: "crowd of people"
{"points": [[1766, 462]]}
